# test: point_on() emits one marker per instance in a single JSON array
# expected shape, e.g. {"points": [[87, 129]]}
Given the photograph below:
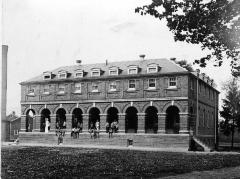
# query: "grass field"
{"points": [[66, 162]]}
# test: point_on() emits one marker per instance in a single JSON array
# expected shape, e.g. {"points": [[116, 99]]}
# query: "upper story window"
{"points": [[47, 75], [79, 73], [46, 89], [132, 84], [133, 69], [172, 82], [61, 89], [31, 91], [62, 74], [113, 71], [94, 87], [96, 72], [113, 86], [152, 83], [152, 68], [78, 88]]}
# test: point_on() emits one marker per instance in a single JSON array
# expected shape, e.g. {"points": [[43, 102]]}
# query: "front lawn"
{"points": [[66, 162]]}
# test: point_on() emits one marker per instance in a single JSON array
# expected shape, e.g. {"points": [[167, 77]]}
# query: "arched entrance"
{"points": [[112, 115], [172, 120], [61, 117], [131, 120], [76, 117], [45, 116], [94, 116], [29, 120], [151, 120]]}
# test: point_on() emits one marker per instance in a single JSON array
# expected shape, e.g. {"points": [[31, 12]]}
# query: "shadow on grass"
{"points": [[57, 162]]}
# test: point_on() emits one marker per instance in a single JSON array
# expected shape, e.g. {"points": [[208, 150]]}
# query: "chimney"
{"points": [[203, 76], [173, 59], [142, 56], [79, 62]]}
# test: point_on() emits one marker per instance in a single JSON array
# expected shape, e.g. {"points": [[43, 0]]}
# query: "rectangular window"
{"points": [[62, 75], [172, 82], [31, 91], [191, 84], [113, 86], [132, 71], [46, 77], [95, 73], [61, 89], [152, 83], [77, 88], [113, 72], [46, 90], [15, 132], [132, 84], [152, 69], [79, 75], [94, 87]]}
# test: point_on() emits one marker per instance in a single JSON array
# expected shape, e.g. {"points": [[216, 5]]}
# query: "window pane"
{"points": [[152, 69], [133, 71], [79, 74], [113, 72], [172, 81], [131, 83], [152, 83]]}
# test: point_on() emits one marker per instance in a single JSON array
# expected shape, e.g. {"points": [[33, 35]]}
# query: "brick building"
{"points": [[154, 96]]}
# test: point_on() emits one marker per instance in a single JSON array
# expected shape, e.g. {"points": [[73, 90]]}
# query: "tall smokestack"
{"points": [[4, 92]]}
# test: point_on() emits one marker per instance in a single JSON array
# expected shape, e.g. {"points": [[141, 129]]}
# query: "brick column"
{"points": [[121, 122], [141, 122], [183, 123], [85, 122], [53, 122], [161, 122], [103, 118], [68, 122], [36, 123], [23, 123]]}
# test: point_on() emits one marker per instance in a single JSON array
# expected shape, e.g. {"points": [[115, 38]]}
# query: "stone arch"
{"points": [[59, 107], [129, 105], [75, 107], [29, 119], [109, 106], [148, 105], [168, 104], [28, 108], [96, 106]]}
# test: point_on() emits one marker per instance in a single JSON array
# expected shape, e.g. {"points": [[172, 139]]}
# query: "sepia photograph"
{"points": [[120, 89]]}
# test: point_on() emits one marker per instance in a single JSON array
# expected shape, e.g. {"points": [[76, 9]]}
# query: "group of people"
{"points": [[76, 129], [111, 128], [94, 130]]}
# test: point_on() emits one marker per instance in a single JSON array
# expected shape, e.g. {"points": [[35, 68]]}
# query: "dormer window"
{"points": [[47, 75], [62, 74], [152, 68], [132, 70], [113, 71], [61, 89], [79, 73], [95, 72], [78, 88]]}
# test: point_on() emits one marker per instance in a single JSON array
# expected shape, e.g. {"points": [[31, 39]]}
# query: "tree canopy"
{"points": [[231, 107], [214, 24]]}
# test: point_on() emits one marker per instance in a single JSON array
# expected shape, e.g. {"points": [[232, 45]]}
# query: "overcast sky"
{"points": [[46, 34]]}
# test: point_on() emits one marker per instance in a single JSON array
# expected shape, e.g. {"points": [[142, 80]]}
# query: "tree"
{"points": [[231, 109], [214, 24]]}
